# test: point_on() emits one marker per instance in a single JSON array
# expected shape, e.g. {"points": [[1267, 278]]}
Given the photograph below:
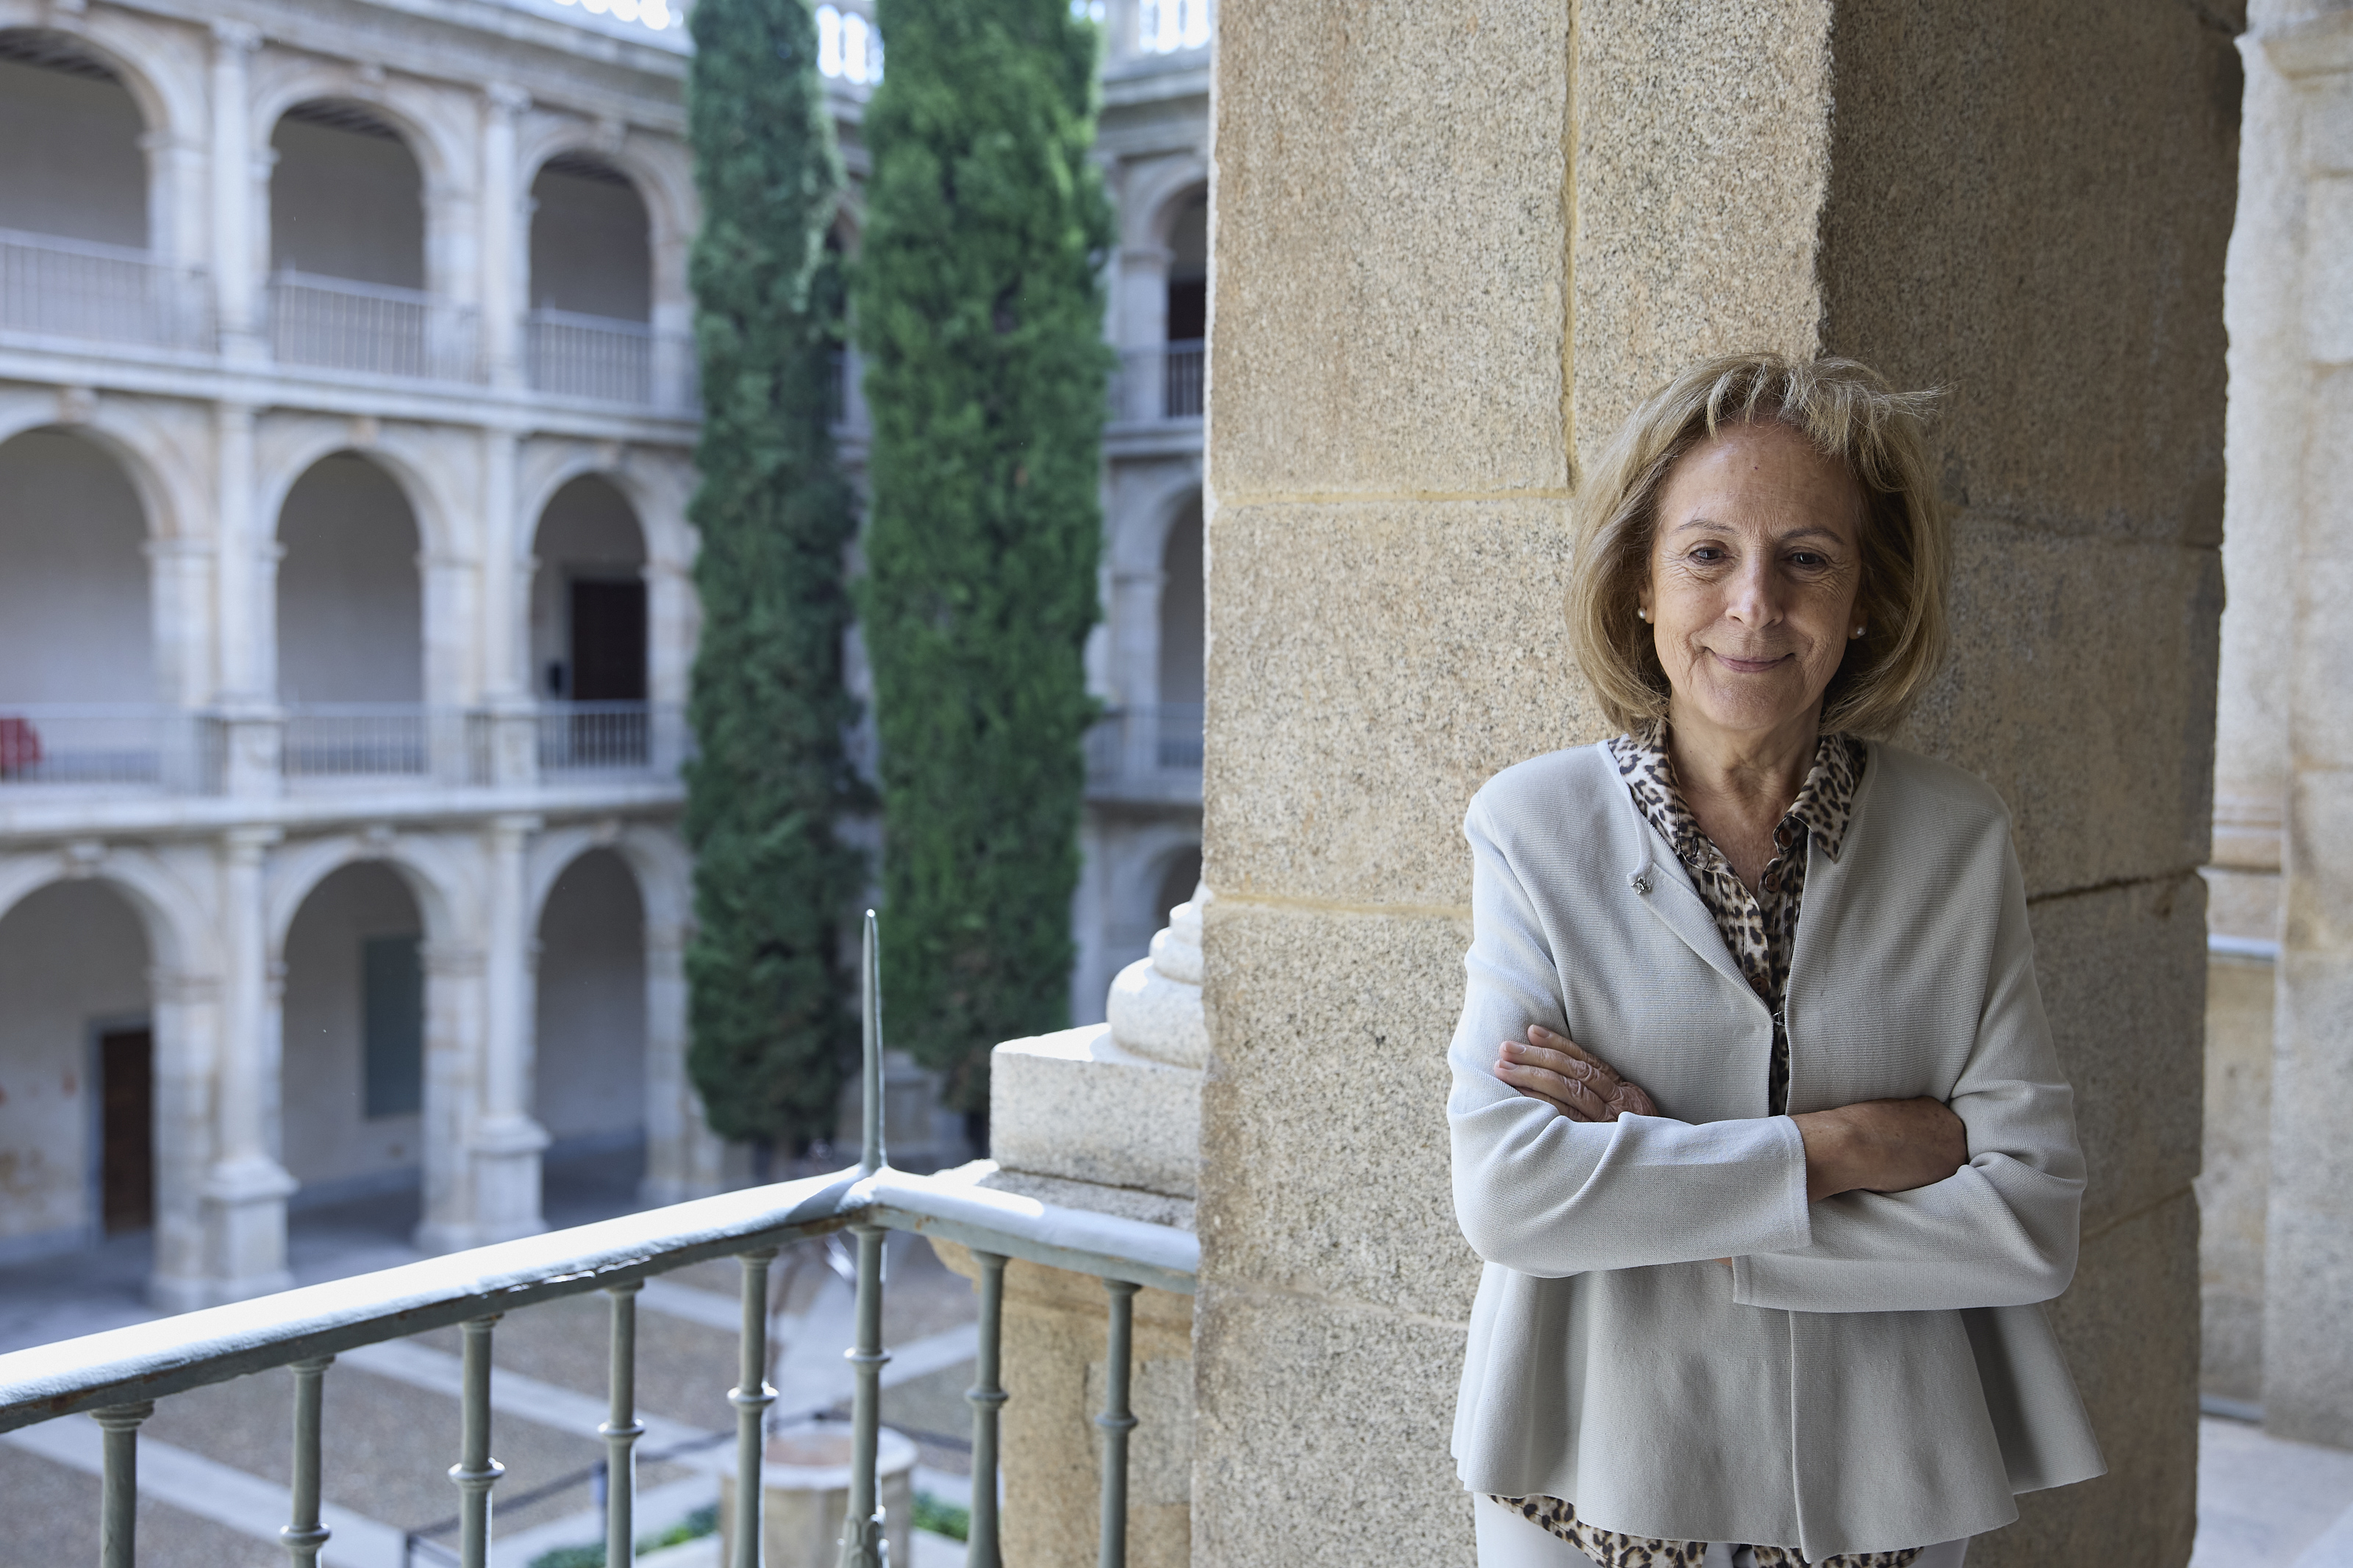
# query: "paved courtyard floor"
{"points": [[213, 1462]]}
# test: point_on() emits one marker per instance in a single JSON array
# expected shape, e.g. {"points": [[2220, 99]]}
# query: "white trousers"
{"points": [[1507, 1541]]}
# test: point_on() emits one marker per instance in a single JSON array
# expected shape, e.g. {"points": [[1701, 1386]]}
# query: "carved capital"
{"points": [[233, 39]]}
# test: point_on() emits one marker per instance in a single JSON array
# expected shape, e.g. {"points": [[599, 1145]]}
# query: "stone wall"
{"points": [[1450, 251]]}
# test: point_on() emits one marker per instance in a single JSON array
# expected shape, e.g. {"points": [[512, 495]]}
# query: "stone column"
{"points": [[236, 292], [1104, 1118], [2263, 447], [503, 248], [503, 616], [505, 1142], [684, 1159], [245, 613], [244, 1192], [187, 1053], [2308, 1278], [1448, 261], [453, 1076]]}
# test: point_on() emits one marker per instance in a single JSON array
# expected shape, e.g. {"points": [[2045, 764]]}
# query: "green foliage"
{"points": [[953, 1520], [980, 314], [773, 882]]}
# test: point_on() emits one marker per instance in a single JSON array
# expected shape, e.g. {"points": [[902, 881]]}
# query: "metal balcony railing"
{"points": [[378, 740], [53, 287], [1161, 384], [1156, 747], [612, 737], [108, 746], [368, 327], [572, 355], [117, 1377]]}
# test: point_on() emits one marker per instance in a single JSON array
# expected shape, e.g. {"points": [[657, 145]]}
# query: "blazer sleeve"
{"points": [[1542, 1194], [2001, 1231]]}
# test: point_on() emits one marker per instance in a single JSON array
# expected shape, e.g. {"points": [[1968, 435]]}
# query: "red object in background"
{"points": [[20, 746]]}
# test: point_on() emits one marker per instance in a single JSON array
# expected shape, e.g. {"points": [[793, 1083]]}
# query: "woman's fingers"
{"points": [[1570, 1063], [1576, 1098]]}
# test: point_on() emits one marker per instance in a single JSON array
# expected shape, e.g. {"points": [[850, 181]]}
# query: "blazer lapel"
{"points": [[1663, 882]]}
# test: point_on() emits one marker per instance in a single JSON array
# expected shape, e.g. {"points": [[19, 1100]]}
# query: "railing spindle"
{"points": [[1116, 1422], [475, 1472], [861, 1535], [622, 1428], [118, 1519], [751, 1396], [988, 1399], [305, 1535]]}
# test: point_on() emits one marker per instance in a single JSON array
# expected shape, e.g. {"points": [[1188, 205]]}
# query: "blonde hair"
{"points": [[1853, 418]]}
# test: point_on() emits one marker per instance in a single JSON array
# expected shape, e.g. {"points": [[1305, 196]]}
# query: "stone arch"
{"points": [[437, 133], [661, 173], [550, 470], [351, 585], [49, 49], [83, 611], [158, 475], [434, 879], [180, 938], [1161, 196], [391, 448], [1146, 513], [663, 868]]}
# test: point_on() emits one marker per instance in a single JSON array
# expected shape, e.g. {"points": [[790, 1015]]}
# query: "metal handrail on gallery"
{"points": [[116, 1377], [114, 745], [51, 286], [569, 354], [336, 324]]}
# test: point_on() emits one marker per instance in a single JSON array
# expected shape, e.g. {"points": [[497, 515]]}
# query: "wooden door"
{"points": [[126, 1065]]}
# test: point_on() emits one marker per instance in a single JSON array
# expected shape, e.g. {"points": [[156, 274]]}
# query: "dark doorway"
{"points": [[126, 1065], [608, 641]]}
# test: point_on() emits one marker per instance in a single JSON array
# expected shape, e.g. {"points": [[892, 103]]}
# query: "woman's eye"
{"points": [[1807, 560], [1707, 555]]}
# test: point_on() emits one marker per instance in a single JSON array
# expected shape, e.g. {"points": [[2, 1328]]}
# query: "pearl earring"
{"points": [[1856, 633], [1641, 611]]}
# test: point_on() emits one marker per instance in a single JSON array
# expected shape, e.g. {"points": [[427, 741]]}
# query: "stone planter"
{"points": [[806, 1478]]}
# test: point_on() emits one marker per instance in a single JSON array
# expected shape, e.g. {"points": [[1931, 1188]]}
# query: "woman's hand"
{"points": [[1574, 1081], [1881, 1146]]}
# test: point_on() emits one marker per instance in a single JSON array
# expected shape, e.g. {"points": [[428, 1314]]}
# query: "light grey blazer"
{"points": [[1872, 1372]]}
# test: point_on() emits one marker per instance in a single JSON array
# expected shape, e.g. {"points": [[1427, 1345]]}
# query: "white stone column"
{"points": [[244, 1193], [675, 1130], [2308, 1273], [502, 247], [180, 574], [235, 280], [245, 613], [454, 1033], [503, 615], [506, 1141], [187, 1014]]}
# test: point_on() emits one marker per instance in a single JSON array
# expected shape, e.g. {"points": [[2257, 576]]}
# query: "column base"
{"points": [[244, 1207]]}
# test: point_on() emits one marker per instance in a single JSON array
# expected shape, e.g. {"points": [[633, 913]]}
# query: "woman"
{"points": [[1757, 1120]]}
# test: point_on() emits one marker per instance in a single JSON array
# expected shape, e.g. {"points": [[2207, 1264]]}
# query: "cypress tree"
{"points": [[769, 989], [980, 314]]}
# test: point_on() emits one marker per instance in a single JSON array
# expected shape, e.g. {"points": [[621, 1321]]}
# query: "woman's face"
{"points": [[1754, 570]]}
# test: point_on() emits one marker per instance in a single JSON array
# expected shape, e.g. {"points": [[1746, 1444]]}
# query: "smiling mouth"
{"points": [[1751, 665]]}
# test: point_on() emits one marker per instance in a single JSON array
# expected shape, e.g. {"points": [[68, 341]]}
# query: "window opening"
{"points": [[392, 1025]]}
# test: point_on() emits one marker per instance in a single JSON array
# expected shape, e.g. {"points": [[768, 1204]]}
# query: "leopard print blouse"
{"points": [[1761, 929]]}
